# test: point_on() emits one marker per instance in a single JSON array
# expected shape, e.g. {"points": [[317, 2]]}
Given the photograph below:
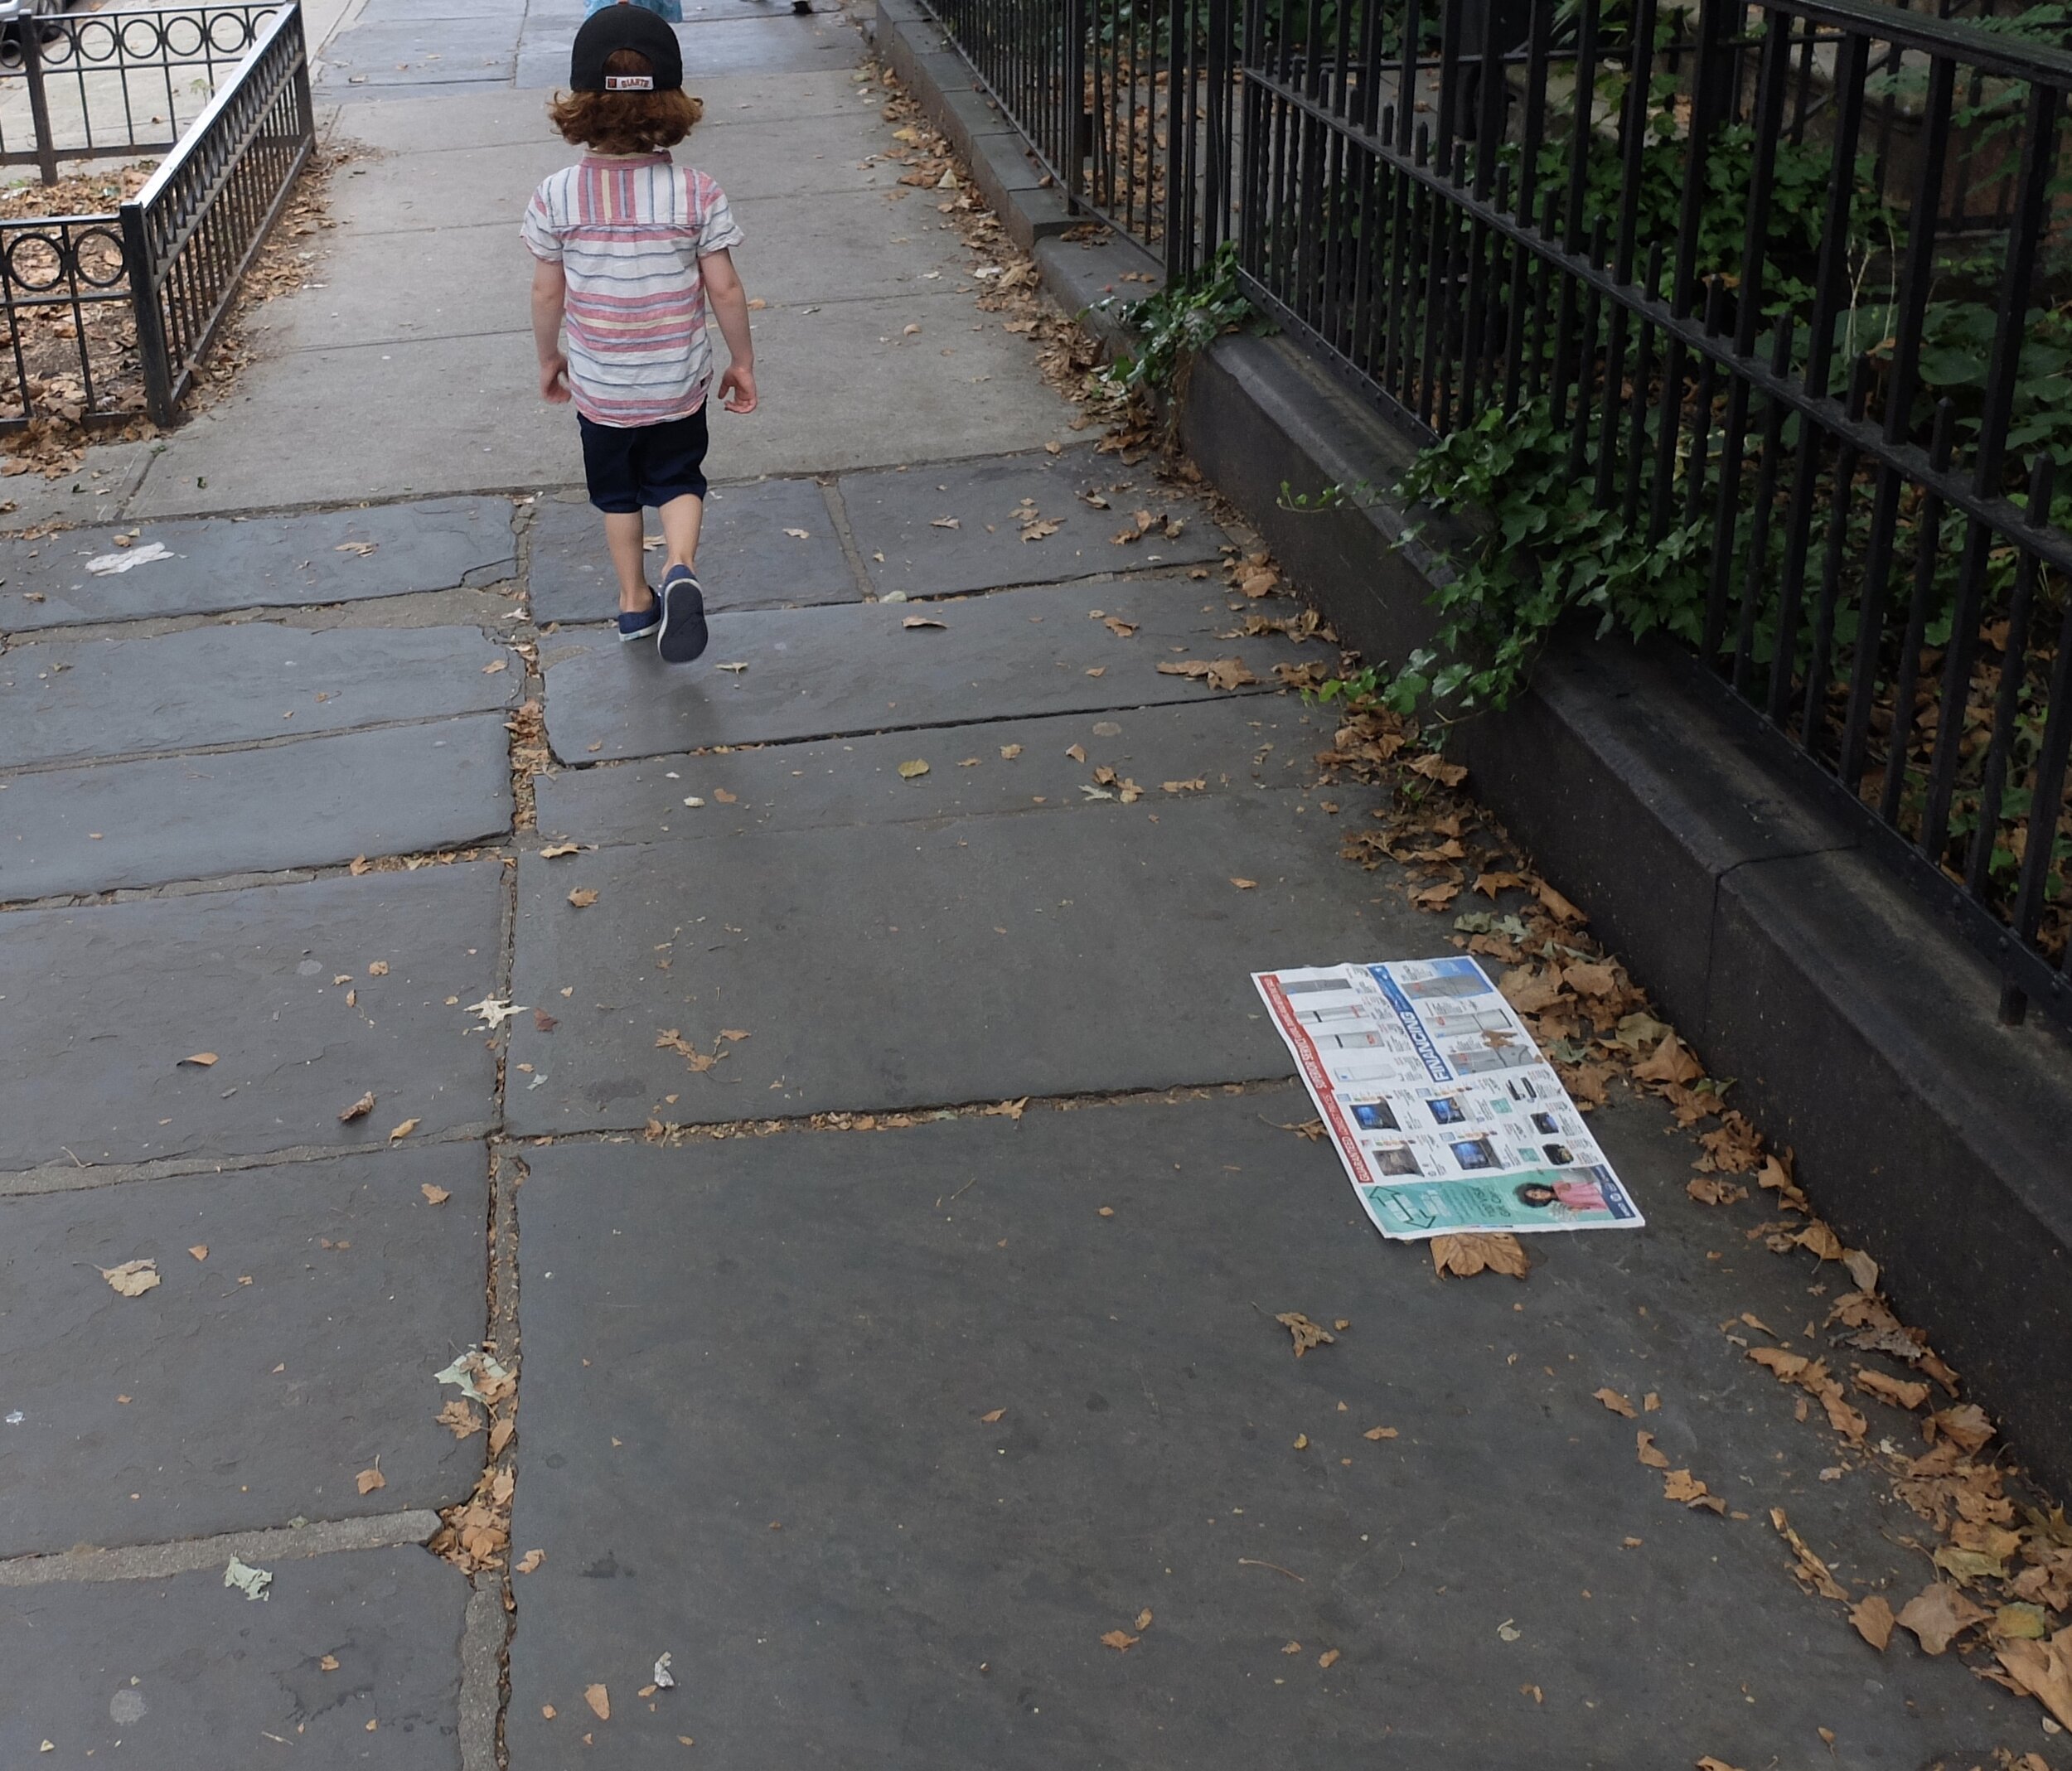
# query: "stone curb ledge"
{"points": [[1859, 1026]]}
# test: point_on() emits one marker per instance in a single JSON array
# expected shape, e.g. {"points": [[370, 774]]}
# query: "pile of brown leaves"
{"points": [[476, 1533]]}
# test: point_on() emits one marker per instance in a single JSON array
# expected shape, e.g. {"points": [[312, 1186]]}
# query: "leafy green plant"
{"points": [[1179, 320], [1549, 549]]}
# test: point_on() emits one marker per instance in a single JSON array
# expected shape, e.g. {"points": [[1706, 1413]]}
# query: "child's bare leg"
{"points": [[624, 531], [681, 519]]}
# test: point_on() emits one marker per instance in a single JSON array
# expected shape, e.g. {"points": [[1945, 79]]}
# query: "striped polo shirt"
{"points": [[628, 231]]}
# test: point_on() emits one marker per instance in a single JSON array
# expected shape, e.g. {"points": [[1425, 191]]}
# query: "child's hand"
{"points": [[736, 388], [554, 380]]}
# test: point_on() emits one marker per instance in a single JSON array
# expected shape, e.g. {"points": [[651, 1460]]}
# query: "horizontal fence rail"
{"points": [[95, 85], [1785, 283]]}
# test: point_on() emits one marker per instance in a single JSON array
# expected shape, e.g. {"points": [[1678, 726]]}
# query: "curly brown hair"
{"points": [[625, 122]]}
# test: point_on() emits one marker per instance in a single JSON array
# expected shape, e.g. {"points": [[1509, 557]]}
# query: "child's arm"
{"points": [[730, 309], [549, 297]]}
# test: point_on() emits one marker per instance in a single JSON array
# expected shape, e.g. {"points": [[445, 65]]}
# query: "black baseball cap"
{"points": [[613, 28]]}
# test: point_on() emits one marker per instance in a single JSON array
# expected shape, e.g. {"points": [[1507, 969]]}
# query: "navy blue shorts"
{"points": [[646, 464]]}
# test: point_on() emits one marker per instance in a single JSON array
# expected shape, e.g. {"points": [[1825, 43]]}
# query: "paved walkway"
{"points": [[890, 1171]]}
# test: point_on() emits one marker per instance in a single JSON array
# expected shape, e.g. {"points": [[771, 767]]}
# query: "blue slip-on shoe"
{"points": [[683, 635], [639, 624]]}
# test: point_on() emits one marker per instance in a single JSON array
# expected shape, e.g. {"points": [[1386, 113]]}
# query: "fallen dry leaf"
{"points": [[583, 897], [1681, 1485], [528, 1563], [359, 1110], [2044, 1670], [1873, 1619], [200, 1060], [1302, 1441], [1898, 1390], [1467, 1256], [1144, 1619], [1379, 1432], [1965, 1425], [1937, 1613], [199, 1250], [433, 1195], [998, 1414], [368, 1480], [458, 1419], [1672, 1062], [404, 1131], [1305, 1333], [554, 851], [1329, 1657], [1122, 1641], [329, 1663], [1645, 1449], [599, 1701], [913, 771], [1614, 1401], [132, 1279], [1710, 1764]]}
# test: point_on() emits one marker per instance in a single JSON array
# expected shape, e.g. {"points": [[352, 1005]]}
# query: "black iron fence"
{"points": [[1785, 285], [79, 87], [106, 316]]}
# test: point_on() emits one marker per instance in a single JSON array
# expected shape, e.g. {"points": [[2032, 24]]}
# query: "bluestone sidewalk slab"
{"points": [[824, 672], [266, 561], [109, 999], [1227, 744], [254, 1383], [909, 966], [760, 1384], [900, 516], [317, 802], [65, 700], [748, 558], [186, 1674]]}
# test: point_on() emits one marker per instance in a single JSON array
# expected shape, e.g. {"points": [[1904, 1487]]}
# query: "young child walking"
{"points": [[630, 250]]}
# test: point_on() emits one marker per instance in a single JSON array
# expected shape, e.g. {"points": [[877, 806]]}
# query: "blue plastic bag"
{"points": [[670, 10]]}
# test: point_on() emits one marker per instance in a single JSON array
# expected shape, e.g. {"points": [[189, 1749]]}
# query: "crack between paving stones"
{"points": [[977, 722], [277, 741], [155, 1560], [466, 854], [54, 1177], [676, 1133]]}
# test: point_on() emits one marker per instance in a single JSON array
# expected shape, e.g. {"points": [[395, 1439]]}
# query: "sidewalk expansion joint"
{"points": [[153, 1561], [273, 740], [81, 1177], [881, 1119], [503, 850], [968, 725]]}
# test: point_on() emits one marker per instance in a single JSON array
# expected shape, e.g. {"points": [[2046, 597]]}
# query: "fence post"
{"points": [[1216, 127], [151, 325], [1078, 123], [31, 30]]}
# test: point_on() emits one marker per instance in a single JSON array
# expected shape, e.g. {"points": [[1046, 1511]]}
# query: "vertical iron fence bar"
{"points": [[39, 102], [1907, 677], [2046, 802], [2014, 665], [1769, 109], [1812, 725], [1916, 278], [1830, 286], [2025, 240]]}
